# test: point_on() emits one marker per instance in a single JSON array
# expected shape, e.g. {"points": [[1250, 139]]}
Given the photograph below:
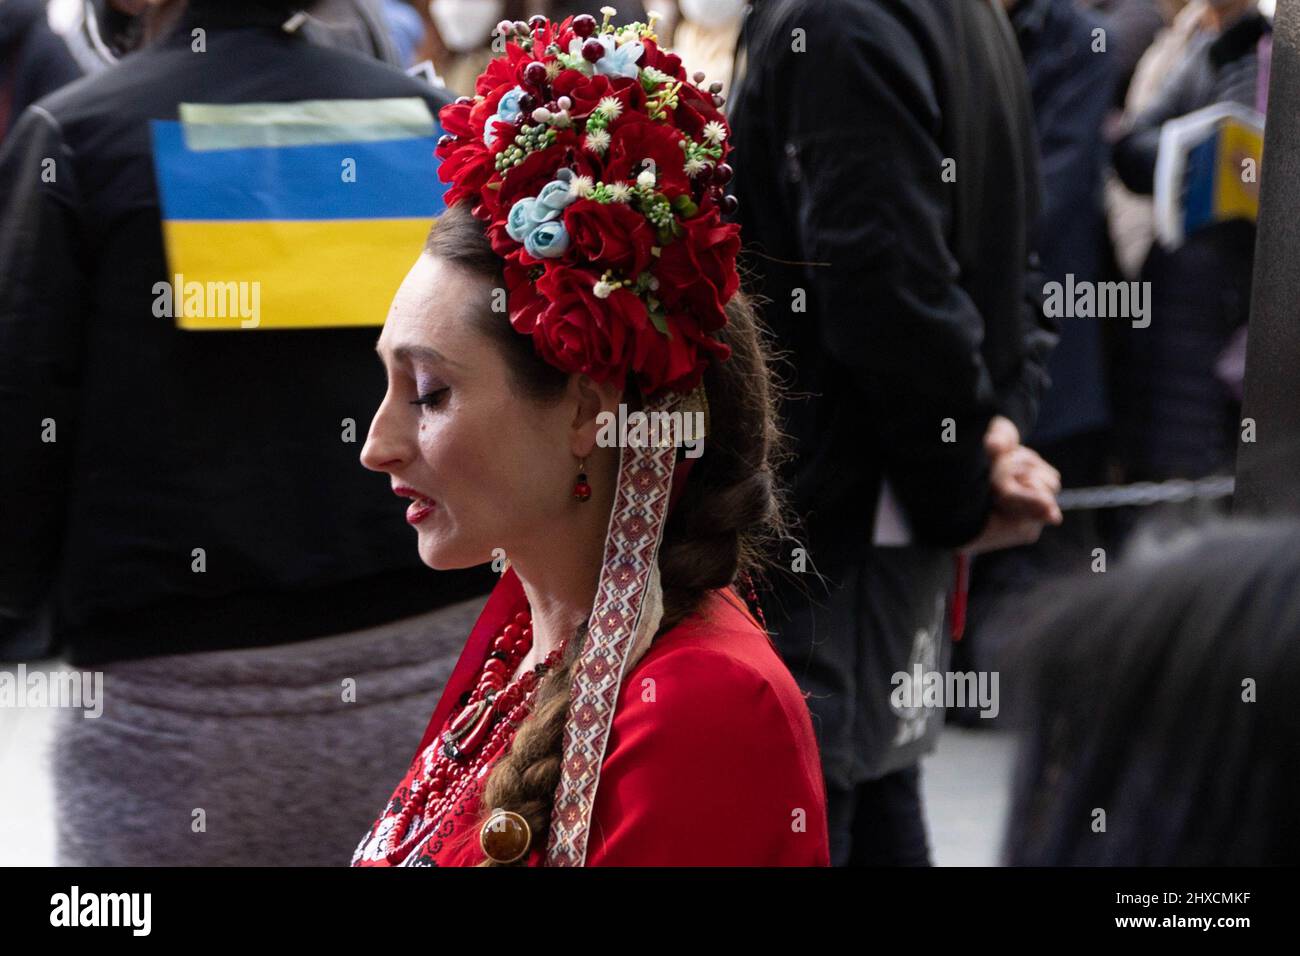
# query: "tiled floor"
{"points": [[964, 780]]}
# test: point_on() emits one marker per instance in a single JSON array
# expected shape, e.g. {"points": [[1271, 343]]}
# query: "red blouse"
{"points": [[711, 759]]}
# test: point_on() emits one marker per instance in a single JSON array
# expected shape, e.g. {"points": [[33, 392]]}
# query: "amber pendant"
{"points": [[505, 836]]}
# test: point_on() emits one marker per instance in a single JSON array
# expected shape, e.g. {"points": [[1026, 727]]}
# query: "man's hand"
{"points": [[1004, 531], [1025, 486], [1001, 436], [1024, 491]]}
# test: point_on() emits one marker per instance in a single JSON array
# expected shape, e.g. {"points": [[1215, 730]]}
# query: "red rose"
{"points": [[663, 359], [564, 32], [454, 118], [506, 70], [694, 109], [630, 93], [660, 59], [586, 163], [697, 271], [608, 338], [609, 235], [634, 139], [465, 161], [578, 332], [671, 64], [585, 91], [522, 299], [501, 242], [483, 110], [467, 166], [550, 33], [675, 361]]}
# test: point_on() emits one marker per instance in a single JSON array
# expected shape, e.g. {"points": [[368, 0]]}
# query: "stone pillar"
{"points": [[1268, 469]]}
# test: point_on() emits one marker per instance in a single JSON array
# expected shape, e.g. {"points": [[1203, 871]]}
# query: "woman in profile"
{"points": [[1159, 707], [618, 702]]}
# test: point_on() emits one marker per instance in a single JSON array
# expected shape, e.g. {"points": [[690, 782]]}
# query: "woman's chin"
{"points": [[436, 558], [441, 555]]}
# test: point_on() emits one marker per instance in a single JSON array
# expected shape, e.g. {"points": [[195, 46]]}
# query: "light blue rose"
{"points": [[555, 195], [620, 61], [617, 61], [523, 218], [547, 241], [508, 111], [508, 108]]}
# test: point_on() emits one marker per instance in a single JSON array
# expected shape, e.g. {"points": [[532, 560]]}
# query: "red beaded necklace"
{"points": [[474, 737]]}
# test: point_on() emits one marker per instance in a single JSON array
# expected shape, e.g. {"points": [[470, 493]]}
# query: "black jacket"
{"points": [[33, 60], [922, 302], [169, 440]]}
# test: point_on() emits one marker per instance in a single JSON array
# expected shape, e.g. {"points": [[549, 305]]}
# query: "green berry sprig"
{"points": [[529, 140]]}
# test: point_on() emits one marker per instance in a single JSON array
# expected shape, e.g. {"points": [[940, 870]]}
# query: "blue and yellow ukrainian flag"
{"points": [[324, 203]]}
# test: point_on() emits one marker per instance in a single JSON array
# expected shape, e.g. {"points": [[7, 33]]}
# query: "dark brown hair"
{"points": [[729, 516]]}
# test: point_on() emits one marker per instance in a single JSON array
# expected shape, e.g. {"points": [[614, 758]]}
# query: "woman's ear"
{"points": [[594, 404]]}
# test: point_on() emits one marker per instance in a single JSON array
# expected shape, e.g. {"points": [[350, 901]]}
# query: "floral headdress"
{"points": [[599, 168]]}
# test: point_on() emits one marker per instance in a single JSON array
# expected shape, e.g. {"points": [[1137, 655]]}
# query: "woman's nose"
{"points": [[383, 448]]}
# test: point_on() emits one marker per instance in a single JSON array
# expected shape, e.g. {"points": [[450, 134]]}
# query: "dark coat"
{"points": [[169, 440], [33, 60], [922, 301], [1072, 88]]}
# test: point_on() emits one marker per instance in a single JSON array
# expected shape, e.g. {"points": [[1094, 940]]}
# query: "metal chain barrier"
{"points": [[1145, 493]]}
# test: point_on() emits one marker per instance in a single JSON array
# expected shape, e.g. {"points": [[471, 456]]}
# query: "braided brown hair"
{"points": [[728, 518]]}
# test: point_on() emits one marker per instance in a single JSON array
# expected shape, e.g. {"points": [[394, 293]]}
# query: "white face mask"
{"points": [[466, 24], [712, 14]]}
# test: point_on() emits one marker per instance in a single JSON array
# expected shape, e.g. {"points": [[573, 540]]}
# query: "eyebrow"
{"points": [[411, 352]]}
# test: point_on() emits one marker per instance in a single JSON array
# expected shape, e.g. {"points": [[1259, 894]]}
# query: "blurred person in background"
{"points": [[460, 43], [705, 36], [405, 29], [462, 37], [183, 511], [33, 60], [101, 32], [1130, 27], [1130, 216], [1156, 703], [363, 26], [1180, 420], [1070, 84], [888, 192]]}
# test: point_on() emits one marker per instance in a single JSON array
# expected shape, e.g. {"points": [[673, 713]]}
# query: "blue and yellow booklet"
{"points": [[1207, 170]]}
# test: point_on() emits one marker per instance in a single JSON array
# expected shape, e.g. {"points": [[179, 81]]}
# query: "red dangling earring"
{"points": [[582, 490]]}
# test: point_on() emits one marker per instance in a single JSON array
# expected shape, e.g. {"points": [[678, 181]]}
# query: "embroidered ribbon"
{"points": [[636, 525]]}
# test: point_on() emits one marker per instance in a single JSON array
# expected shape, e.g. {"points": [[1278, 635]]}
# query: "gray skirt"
{"points": [[275, 756]]}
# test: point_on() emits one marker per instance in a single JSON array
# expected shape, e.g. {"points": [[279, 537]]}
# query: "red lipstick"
{"points": [[421, 506]]}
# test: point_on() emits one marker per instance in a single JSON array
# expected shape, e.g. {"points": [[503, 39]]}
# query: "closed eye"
{"points": [[431, 399]]}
